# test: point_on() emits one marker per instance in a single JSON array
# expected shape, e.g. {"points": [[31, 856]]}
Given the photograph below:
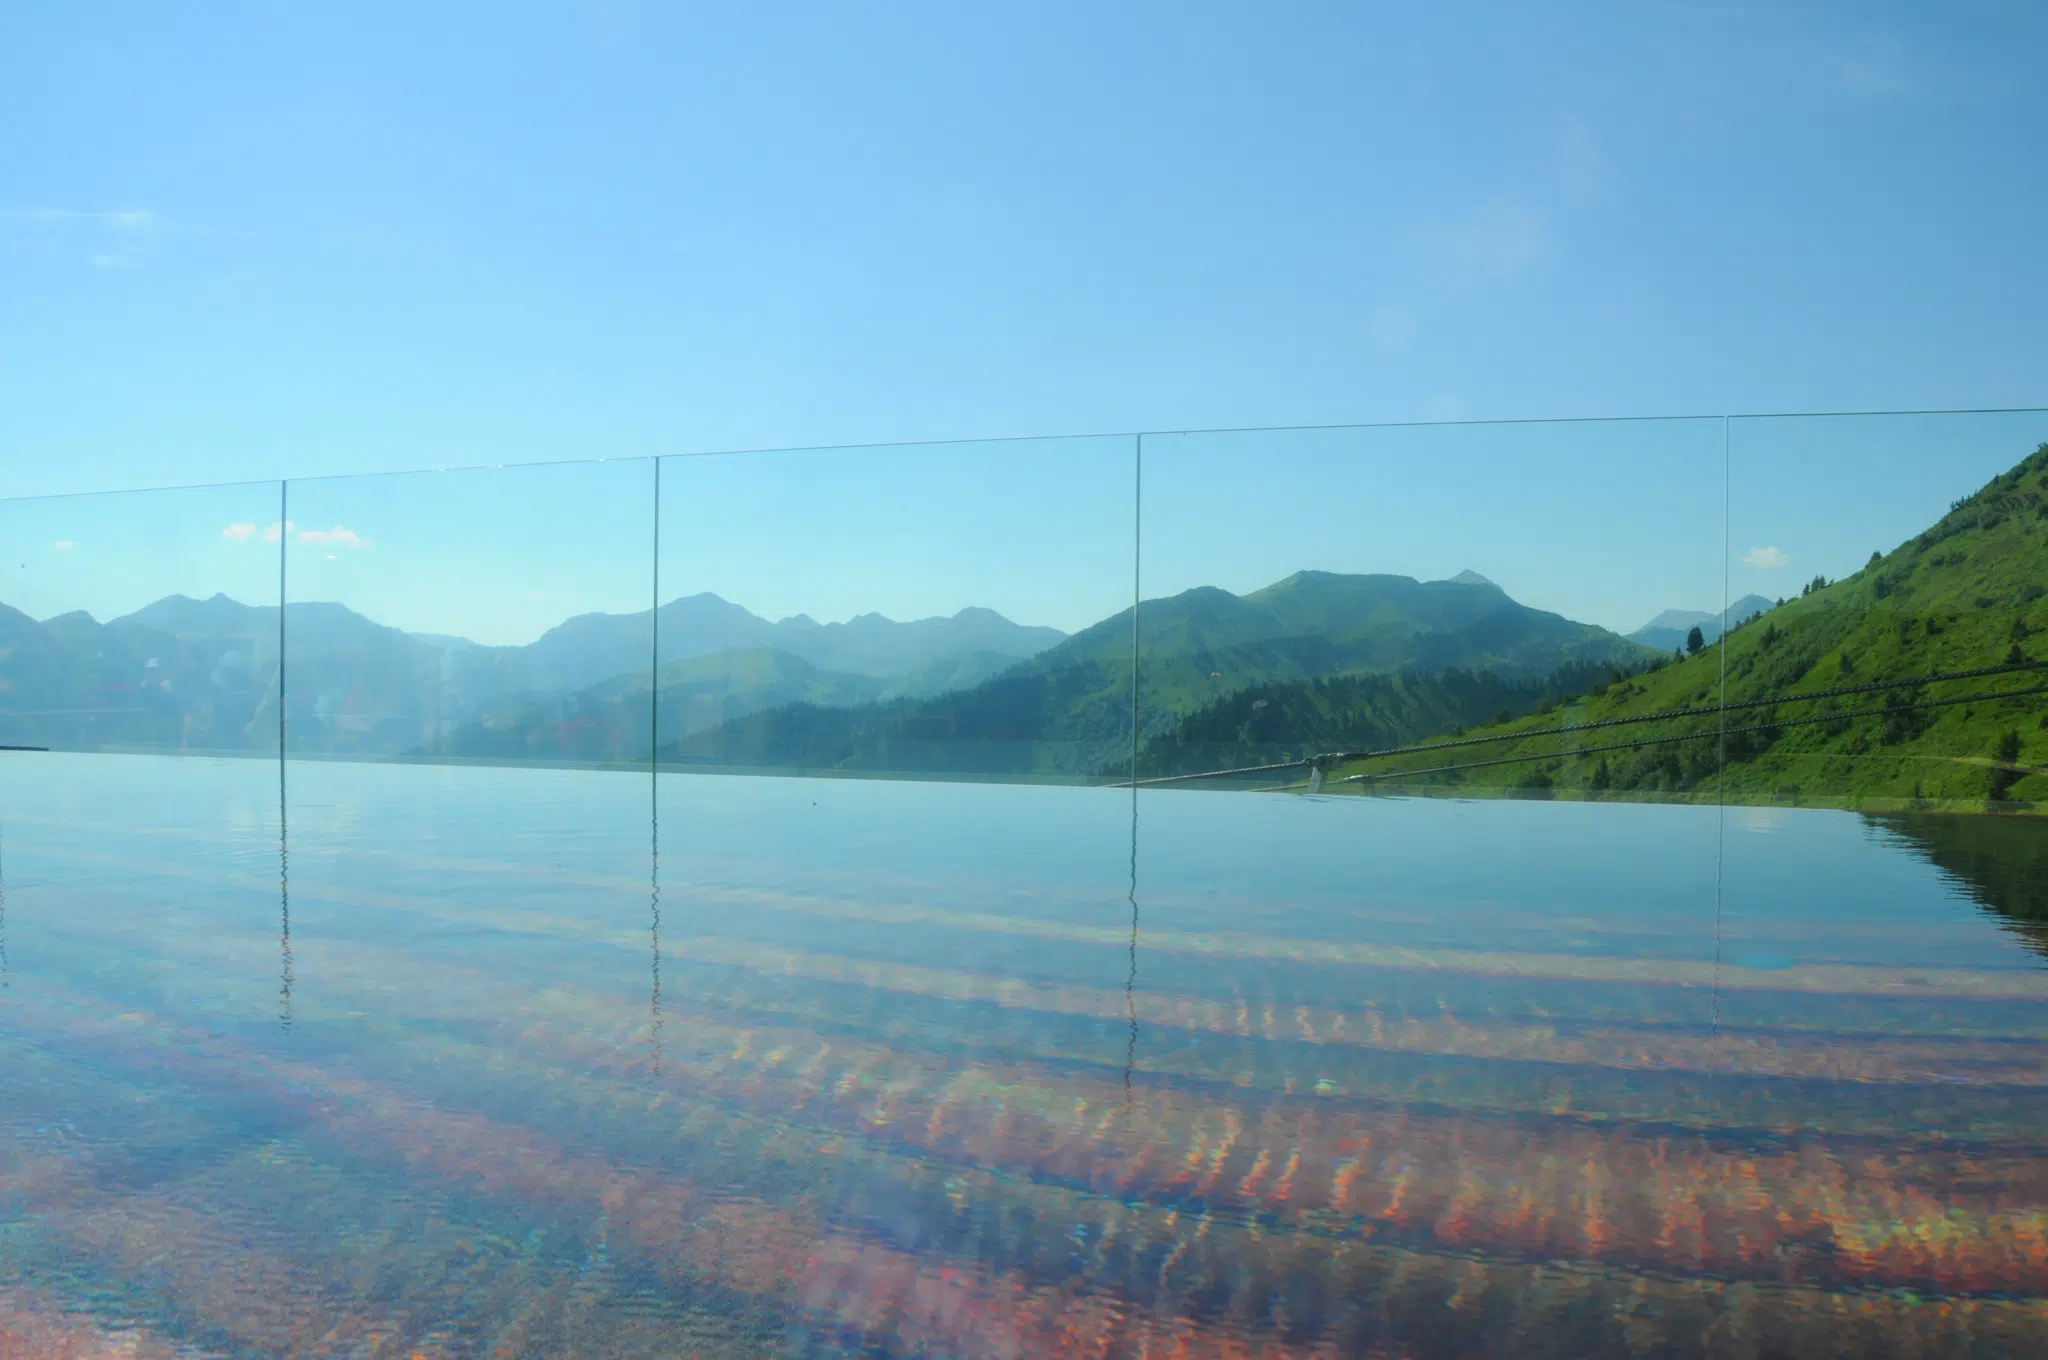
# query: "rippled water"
{"points": [[452, 1062]]}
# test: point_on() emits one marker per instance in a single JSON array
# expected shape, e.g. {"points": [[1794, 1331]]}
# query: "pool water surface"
{"points": [[441, 1061]]}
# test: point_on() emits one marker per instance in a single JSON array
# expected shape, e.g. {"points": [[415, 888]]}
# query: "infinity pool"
{"points": [[487, 1062]]}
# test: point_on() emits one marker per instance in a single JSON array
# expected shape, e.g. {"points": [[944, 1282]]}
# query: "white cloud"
{"points": [[277, 531], [1766, 559], [239, 533], [63, 543], [344, 537]]}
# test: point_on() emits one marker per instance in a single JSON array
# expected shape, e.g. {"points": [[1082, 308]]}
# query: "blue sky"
{"points": [[272, 240]]}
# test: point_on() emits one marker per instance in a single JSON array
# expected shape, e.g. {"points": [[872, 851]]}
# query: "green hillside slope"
{"points": [[1964, 596], [1275, 722]]}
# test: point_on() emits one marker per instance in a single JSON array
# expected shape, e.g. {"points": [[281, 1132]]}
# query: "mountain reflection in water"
{"points": [[816, 1067], [2000, 862]]}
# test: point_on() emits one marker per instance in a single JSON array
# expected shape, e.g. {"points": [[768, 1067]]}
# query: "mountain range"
{"points": [[1840, 691], [971, 693], [1069, 709], [203, 674]]}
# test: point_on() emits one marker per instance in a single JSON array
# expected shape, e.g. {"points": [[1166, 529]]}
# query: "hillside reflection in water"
{"points": [[527, 1062]]}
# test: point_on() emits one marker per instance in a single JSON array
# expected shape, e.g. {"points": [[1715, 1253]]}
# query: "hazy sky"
{"points": [[272, 240]]}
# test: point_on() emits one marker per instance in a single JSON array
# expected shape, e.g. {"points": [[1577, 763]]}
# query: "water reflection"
{"points": [[1422, 1079], [1999, 861]]}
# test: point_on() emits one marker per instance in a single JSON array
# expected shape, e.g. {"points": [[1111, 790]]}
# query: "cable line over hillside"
{"points": [[1328, 759], [1702, 736]]}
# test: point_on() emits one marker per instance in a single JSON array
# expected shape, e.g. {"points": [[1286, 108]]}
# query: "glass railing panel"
{"points": [[497, 615], [891, 985], [1464, 991], [1887, 582], [134, 627], [470, 853], [141, 621], [1882, 1001], [1310, 592], [945, 611]]}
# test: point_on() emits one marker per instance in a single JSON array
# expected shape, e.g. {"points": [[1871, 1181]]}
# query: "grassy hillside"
{"points": [[1965, 595]]}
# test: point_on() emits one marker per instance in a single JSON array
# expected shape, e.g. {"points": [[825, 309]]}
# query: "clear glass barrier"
{"points": [[1882, 1005], [497, 614], [141, 621], [1612, 983], [1495, 965], [1888, 586], [447, 633], [936, 610], [1311, 592], [135, 626]]}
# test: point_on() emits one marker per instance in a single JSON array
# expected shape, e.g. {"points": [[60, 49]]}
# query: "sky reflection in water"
{"points": [[556, 1063]]}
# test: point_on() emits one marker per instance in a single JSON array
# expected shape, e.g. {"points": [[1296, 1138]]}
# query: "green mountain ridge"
{"points": [[1068, 710]]}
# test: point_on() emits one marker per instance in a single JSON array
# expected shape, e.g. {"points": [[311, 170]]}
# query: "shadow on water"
{"points": [[1999, 862]]}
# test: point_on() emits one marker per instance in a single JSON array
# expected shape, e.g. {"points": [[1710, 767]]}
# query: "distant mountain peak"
{"points": [[1469, 577], [74, 619], [1669, 628]]}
